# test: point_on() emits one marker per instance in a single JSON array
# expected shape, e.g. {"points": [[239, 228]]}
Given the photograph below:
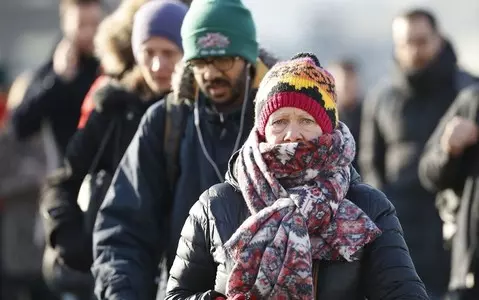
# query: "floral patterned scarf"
{"points": [[296, 195]]}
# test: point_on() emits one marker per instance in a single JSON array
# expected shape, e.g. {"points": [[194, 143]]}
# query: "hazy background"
{"points": [[329, 28]]}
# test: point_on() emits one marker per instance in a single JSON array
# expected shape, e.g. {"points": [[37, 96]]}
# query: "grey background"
{"points": [[329, 28]]}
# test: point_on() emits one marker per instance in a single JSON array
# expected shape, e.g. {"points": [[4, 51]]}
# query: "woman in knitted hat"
{"points": [[293, 220]]}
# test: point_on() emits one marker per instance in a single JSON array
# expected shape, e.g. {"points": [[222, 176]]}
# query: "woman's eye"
{"points": [[307, 121], [280, 122]]}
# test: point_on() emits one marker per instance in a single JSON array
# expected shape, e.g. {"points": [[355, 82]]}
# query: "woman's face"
{"points": [[290, 124]]}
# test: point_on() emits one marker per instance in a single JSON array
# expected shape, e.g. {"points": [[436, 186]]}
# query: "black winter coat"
{"points": [[63, 218], [49, 98], [439, 171], [201, 269], [351, 116], [396, 124]]}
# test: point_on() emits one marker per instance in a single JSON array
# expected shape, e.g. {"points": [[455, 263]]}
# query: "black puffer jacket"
{"points": [[201, 269]]}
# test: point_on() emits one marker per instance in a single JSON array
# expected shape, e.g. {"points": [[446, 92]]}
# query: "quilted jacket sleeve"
{"points": [[389, 271], [193, 258]]}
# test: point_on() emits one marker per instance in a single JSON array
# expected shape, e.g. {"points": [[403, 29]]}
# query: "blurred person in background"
{"points": [[346, 75], [113, 47], [398, 119], [451, 161], [17, 90], [181, 148], [119, 106], [23, 169], [121, 30], [59, 86]]}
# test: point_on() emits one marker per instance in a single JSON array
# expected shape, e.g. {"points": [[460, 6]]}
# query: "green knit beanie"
{"points": [[219, 28]]}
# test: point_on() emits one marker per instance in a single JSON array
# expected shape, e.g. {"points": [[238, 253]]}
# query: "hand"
{"points": [[459, 134], [65, 60], [74, 247]]}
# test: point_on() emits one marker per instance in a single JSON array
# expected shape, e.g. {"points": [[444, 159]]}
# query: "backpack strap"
{"points": [[101, 149], [175, 123]]}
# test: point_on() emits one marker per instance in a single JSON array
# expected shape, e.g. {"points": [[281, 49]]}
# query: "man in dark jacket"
{"points": [[451, 161], [59, 86], [397, 121], [144, 211]]}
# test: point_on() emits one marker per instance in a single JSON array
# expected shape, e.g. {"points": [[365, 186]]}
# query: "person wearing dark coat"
{"points": [[56, 91], [293, 220], [140, 221], [450, 161], [119, 107], [398, 118], [350, 100]]}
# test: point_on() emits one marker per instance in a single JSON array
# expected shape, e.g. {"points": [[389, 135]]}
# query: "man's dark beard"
{"points": [[237, 89]]}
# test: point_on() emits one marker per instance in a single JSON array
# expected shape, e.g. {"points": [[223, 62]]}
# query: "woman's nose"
{"points": [[293, 134]]}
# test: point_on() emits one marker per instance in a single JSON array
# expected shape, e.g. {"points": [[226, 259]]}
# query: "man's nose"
{"points": [[210, 72]]}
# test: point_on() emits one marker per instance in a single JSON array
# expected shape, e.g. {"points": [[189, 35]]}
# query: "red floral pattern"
{"points": [[296, 195]]}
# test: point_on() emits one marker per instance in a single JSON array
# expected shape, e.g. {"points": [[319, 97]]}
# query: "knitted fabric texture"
{"points": [[158, 18], [296, 195], [301, 83], [219, 28]]}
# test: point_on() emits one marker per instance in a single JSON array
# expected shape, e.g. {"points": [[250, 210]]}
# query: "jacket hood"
{"points": [[183, 82], [231, 176], [113, 95]]}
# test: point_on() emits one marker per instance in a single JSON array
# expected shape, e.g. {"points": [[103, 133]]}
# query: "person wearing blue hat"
{"points": [[96, 149], [156, 41]]}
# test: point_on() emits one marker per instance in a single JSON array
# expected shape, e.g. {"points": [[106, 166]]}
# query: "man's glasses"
{"points": [[221, 63]]}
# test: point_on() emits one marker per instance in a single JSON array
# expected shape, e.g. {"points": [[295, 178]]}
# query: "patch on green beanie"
{"points": [[219, 28]]}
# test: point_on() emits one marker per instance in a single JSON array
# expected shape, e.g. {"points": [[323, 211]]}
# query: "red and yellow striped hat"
{"points": [[302, 83]]}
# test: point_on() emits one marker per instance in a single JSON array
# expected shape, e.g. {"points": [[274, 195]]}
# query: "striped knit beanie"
{"points": [[300, 82]]}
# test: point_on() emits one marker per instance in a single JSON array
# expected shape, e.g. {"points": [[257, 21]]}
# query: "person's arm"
{"points": [[438, 169], [63, 218], [39, 101], [389, 272], [371, 159], [193, 274], [131, 227]]}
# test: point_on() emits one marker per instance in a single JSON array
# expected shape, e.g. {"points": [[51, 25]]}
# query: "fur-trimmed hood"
{"points": [[184, 85]]}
